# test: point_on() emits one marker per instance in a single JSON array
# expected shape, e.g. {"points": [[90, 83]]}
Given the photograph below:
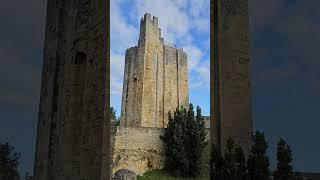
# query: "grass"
{"points": [[162, 174]]}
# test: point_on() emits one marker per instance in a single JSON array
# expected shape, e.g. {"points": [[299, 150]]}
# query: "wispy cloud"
{"points": [[173, 19], [194, 56], [117, 70], [199, 8], [122, 33]]}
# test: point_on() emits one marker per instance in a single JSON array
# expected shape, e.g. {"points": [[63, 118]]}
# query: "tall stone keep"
{"points": [[71, 126], [231, 69], [155, 79]]}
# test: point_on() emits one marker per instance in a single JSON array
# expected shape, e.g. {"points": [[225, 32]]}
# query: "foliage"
{"points": [[205, 159], [258, 162], [185, 142], [173, 138], [114, 120], [231, 166], [284, 158], [213, 160], [113, 114], [195, 141], [240, 163], [229, 158], [217, 164], [9, 162]]}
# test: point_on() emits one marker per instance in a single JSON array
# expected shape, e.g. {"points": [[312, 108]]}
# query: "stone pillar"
{"points": [[71, 127], [233, 66]]}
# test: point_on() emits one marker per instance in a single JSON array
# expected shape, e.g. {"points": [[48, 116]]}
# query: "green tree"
{"points": [[284, 161], [213, 161], [229, 158], [217, 164], [114, 120], [231, 166], [202, 143], [235, 162], [176, 161], [9, 162], [258, 161], [240, 161], [113, 114], [195, 141], [185, 142]]}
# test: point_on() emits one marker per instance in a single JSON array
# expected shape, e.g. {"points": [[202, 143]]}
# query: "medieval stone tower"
{"points": [[71, 128], [155, 79]]}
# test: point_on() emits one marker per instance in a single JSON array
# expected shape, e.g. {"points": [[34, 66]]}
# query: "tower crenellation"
{"points": [[155, 21], [149, 29]]}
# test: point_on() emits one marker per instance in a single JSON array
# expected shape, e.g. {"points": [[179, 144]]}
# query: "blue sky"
{"points": [[184, 23]]}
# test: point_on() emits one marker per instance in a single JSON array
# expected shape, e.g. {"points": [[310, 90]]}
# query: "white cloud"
{"points": [[194, 56], [181, 3], [115, 87], [116, 73], [200, 76], [199, 8], [201, 24], [199, 71], [122, 34], [185, 41], [195, 84], [173, 21], [204, 71]]}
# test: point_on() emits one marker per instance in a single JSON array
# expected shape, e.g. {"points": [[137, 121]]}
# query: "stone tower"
{"points": [[70, 133], [231, 99], [155, 79]]}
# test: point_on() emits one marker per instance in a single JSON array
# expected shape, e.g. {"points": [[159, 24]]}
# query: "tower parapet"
{"points": [[149, 29]]}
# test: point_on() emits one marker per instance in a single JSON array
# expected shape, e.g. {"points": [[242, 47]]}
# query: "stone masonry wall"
{"points": [[183, 83], [131, 91], [138, 149]]}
